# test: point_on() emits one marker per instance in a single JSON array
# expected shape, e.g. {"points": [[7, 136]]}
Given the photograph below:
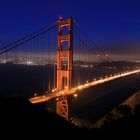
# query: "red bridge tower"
{"points": [[64, 75]]}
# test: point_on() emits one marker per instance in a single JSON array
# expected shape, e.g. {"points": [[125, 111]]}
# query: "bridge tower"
{"points": [[63, 54], [64, 58]]}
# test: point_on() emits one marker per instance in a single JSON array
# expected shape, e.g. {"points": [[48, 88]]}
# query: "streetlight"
{"points": [[75, 95]]}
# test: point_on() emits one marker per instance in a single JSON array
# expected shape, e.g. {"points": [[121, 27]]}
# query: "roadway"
{"points": [[93, 103], [75, 90]]}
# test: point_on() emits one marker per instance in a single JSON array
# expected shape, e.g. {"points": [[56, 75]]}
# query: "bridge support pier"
{"points": [[63, 107]]}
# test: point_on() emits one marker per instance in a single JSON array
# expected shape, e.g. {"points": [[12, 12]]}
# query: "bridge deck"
{"points": [[47, 97]]}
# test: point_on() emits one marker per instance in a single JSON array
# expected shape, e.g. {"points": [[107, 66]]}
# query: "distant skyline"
{"points": [[113, 24]]}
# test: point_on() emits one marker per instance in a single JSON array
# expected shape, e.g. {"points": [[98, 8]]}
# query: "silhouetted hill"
{"points": [[17, 113], [127, 125], [119, 64]]}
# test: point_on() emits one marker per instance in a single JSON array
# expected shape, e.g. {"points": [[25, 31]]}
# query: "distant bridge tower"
{"points": [[64, 58]]}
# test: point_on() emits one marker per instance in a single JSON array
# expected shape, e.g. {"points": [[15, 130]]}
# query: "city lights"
{"points": [[29, 62]]}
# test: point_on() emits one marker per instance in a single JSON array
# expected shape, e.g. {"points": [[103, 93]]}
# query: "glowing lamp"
{"points": [[60, 18]]}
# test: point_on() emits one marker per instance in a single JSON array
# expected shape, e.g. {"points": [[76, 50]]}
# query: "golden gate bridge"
{"points": [[69, 49]]}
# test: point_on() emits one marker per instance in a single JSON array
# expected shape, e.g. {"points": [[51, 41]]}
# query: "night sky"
{"points": [[113, 24]]}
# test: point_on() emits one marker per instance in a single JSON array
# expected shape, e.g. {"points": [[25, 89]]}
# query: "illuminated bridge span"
{"points": [[68, 51], [74, 90]]}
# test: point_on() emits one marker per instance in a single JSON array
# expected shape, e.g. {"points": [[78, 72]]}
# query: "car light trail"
{"points": [[54, 94]]}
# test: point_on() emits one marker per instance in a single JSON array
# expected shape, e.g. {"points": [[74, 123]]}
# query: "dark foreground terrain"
{"points": [[17, 114]]}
